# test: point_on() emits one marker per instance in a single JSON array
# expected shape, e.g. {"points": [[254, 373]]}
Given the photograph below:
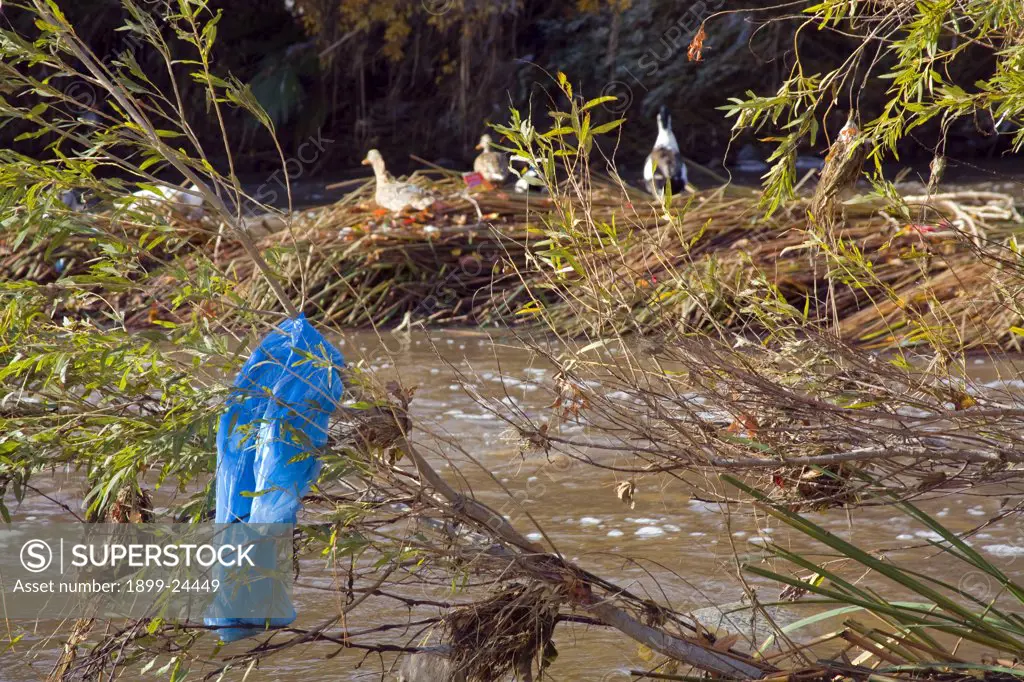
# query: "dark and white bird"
{"points": [[664, 164], [188, 202], [530, 179], [73, 199]]}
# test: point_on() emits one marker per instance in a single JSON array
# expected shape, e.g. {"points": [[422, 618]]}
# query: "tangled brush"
{"points": [[504, 633]]}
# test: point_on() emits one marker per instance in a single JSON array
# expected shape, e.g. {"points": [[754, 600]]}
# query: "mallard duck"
{"points": [[492, 165], [395, 195], [664, 164]]}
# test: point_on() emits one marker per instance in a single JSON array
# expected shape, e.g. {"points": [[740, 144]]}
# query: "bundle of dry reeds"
{"points": [[610, 264], [352, 265], [879, 280]]}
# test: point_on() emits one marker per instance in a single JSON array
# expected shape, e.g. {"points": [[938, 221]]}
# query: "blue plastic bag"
{"points": [[277, 415]]}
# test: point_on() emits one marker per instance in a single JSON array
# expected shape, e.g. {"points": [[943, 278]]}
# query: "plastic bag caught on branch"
{"points": [[277, 416]]}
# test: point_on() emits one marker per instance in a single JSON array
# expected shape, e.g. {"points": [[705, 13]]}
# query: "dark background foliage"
{"points": [[425, 76]]}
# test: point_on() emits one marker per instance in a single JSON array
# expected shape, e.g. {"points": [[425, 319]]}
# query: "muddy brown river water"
{"points": [[677, 549]]}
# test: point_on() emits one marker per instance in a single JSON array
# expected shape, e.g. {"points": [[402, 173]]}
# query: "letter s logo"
{"points": [[36, 556]]}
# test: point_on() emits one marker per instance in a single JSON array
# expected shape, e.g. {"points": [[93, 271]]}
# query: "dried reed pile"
{"points": [[949, 269], [352, 265], [942, 266]]}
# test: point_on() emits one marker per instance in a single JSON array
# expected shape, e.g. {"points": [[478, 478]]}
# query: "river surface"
{"points": [[675, 548]]}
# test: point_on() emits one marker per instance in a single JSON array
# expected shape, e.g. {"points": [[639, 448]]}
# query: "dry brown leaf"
{"points": [[695, 51], [962, 401], [725, 643], [931, 480], [626, 492]]}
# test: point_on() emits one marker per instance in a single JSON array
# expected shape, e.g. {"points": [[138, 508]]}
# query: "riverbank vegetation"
{"points": [[726, 341]]}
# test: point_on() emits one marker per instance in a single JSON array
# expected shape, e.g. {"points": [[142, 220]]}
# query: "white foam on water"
{"points": [[534, 536], [589, 521], [929, 535], [615, 533], [1004, 550], [648, 532], [700, 506], [482, 417], [1004, 384]]}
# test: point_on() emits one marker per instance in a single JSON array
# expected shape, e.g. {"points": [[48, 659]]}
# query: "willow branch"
{"points": [[540, 564], [85, 55]]}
